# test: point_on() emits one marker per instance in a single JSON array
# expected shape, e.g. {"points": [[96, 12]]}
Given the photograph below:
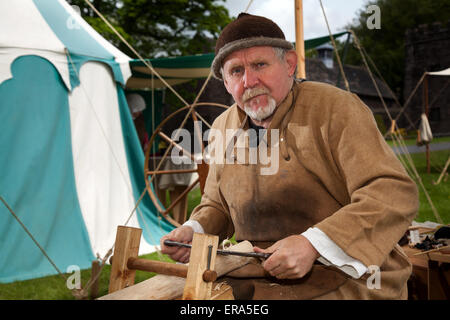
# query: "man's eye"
{"points": [[260, 64], [236, 71]]}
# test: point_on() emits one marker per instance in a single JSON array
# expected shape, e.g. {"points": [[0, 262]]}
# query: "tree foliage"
{"points": [[386, 46], [157, 28]]}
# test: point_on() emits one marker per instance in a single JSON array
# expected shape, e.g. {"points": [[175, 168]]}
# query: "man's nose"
{"points": [[250, 78]]}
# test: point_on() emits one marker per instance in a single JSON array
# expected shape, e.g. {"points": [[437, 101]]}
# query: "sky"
{"points": [[339, 13]]}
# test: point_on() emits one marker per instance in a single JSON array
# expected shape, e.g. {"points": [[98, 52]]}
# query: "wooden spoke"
{"points": [[197, 132], [176, 145], [172, 171], [154, 171], [185, 192], [201, 118]]}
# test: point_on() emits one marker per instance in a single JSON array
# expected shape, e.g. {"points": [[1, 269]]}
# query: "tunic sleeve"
{"points": [[383, 198]]}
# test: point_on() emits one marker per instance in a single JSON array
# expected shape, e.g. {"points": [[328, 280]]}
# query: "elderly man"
{"points": [[332, 213]]}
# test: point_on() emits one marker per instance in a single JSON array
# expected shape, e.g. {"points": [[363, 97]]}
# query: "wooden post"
{"points": [[425, 94], [436, 289], [393, 125], [127, 246], [299, 39], [95, 270], [203, 255]]}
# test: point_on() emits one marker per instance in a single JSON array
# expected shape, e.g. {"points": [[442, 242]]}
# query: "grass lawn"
{"points": [[439, 194], [412, 142], [54, 287]]}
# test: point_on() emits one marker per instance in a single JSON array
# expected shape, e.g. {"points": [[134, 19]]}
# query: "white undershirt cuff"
{"points": [[195, 225], [332, 254]]}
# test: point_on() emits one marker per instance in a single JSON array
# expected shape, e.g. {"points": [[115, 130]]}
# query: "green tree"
{"points": [[158, 28], [386, 46]]}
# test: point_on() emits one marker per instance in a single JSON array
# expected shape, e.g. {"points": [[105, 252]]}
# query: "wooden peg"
{"points": [[95, 270], [393, 125], [127, 246], [202, 256]]}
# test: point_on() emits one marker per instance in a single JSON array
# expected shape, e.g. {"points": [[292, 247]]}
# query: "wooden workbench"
{"points": [[431, 270]]}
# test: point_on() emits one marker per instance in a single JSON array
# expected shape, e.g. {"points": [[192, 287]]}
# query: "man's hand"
{"points": [[182, 234], [292, 257]]}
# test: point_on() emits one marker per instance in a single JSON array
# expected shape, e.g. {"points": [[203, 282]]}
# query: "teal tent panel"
{"points": [[194, 61], [80, 44], [313, 43], [75, 62], [37, 177], [76, 39], [153, 225]]}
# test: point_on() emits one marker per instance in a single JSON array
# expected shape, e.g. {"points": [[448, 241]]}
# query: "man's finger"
{"points": [[272, 263], [270, 249], [179, 253], [185, 258], [275, 270]]}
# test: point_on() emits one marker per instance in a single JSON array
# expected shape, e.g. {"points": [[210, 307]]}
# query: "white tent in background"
{"points": [[72, 166], [445, 72]]}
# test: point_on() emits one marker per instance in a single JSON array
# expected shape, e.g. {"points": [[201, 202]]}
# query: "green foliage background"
{"points": [[159, 28], [386, 46]]}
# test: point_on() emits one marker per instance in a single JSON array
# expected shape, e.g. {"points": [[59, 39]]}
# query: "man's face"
{"points": [[258, 80]]}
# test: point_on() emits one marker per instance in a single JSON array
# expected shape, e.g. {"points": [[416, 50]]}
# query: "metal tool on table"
{"points": [[220, 251]]}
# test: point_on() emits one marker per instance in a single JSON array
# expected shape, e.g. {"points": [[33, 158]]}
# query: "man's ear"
{"points": [[291, 59]]}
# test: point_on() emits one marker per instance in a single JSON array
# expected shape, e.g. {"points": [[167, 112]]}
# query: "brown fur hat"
{"points": [[245, 32]]}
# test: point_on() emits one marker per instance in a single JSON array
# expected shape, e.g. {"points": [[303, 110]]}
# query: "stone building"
{"points": [[323, 69], [427, 50]]}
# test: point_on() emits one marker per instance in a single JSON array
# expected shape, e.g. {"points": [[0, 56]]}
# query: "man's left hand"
{"points": [[292, 257]]}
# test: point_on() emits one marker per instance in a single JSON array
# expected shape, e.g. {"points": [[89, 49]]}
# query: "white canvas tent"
{"points": [[70, 159], [445, 72]]}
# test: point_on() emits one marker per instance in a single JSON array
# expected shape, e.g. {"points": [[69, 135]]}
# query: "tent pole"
{"points": [[344, 55], [299, 39], [425, 95]]}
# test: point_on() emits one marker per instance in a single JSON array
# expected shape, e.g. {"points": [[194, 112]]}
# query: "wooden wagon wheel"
{"points": [[154, 170]]}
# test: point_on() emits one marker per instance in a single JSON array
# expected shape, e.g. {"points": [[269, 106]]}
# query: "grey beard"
{"points": [[262, 113]]}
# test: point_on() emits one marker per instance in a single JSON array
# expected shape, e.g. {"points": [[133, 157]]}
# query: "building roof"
{"points": [[359, 79], [325, 46]]}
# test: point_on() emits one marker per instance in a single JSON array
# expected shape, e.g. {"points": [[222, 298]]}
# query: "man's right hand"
{"points": [[182, 234]]}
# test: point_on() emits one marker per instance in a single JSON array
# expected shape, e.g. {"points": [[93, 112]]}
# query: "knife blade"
{"points": [[220, 251]]}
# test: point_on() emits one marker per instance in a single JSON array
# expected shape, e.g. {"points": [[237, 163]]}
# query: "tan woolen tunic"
{"points": [[336, 173]]}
